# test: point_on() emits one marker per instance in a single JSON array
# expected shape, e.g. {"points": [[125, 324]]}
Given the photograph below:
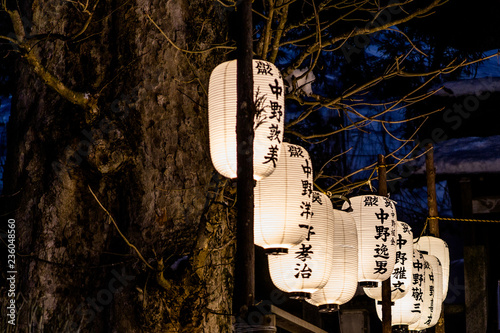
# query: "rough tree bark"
{"points": [[146, 159]]}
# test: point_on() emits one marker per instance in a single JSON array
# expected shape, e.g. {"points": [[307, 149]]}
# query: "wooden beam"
{"points": [[244, 274], [431, 190], [292, 323], [386, 285], [430, 170]]}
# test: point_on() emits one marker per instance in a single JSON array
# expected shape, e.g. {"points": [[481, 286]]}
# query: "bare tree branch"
{"points": [[369, 29]]}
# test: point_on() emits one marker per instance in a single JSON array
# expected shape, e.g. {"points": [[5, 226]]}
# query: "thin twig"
{"points": [[188, 51], [121, 234]]}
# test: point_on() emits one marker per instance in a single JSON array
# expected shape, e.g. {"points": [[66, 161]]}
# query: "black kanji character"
{"points": [[371, 201], [295, 151], [401, 257], [306, 209], [399, 273], [388, 202], [418, 265], [264, 68], [416, 307], [381, 232], [307, 169], [309, 230], [305, 273], [306, 187], [381, 252], [418, 279], [304, 252], [274, 133], [382, 216], [272, 155], [317, 198], [275, 110], [276, 89], [381, 266], [417, 294], [398, 285]]}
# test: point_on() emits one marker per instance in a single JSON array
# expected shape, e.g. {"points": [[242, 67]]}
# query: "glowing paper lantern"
{"points": [[307, 267], [408, 310], [401, 274], [343, 281], [268, 122], [431, 308], [375, 218], [437, 247], [283, 202]]}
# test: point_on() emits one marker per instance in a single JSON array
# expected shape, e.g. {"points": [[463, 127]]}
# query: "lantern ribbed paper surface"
{"points": [[429, 308], [375, 218], [437, 294], [307, 267], [268, 122], [283, 208], [401, 274], [343, 281], [408, 309], [437, 247]]}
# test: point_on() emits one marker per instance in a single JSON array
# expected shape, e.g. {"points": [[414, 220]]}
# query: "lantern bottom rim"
{"points": [[300, 295], [276, 250], [368, 284], [328, 308]]}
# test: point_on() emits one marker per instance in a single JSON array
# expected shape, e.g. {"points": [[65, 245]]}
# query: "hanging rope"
{"points": [[382, 166], [423, 229], [451, 219], [463, 220]]}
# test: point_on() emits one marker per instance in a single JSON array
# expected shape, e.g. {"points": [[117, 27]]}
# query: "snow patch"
{"points": [[469, 87], [466, 156], [304, 82], [176, 264]]}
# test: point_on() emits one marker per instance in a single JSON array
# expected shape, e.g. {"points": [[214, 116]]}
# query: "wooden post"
{"points": [[475, 265], [433, 212], [244, 280], [386, 285], [431, 191]]}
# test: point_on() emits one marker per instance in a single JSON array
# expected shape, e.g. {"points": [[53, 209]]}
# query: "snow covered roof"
{"points": [[486, 79], [469, 87], [465, 156]]}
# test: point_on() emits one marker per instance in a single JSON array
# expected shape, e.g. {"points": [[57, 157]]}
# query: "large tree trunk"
{"points": [[146, 159]]}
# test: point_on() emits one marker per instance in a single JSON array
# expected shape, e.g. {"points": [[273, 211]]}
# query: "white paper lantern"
{"points": [[437, 247], [307, 267], [437, 293], [268, 121], [431, 308], [408, 310], [283, 208], [401, 274], [375, 218], [343, 281]]}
